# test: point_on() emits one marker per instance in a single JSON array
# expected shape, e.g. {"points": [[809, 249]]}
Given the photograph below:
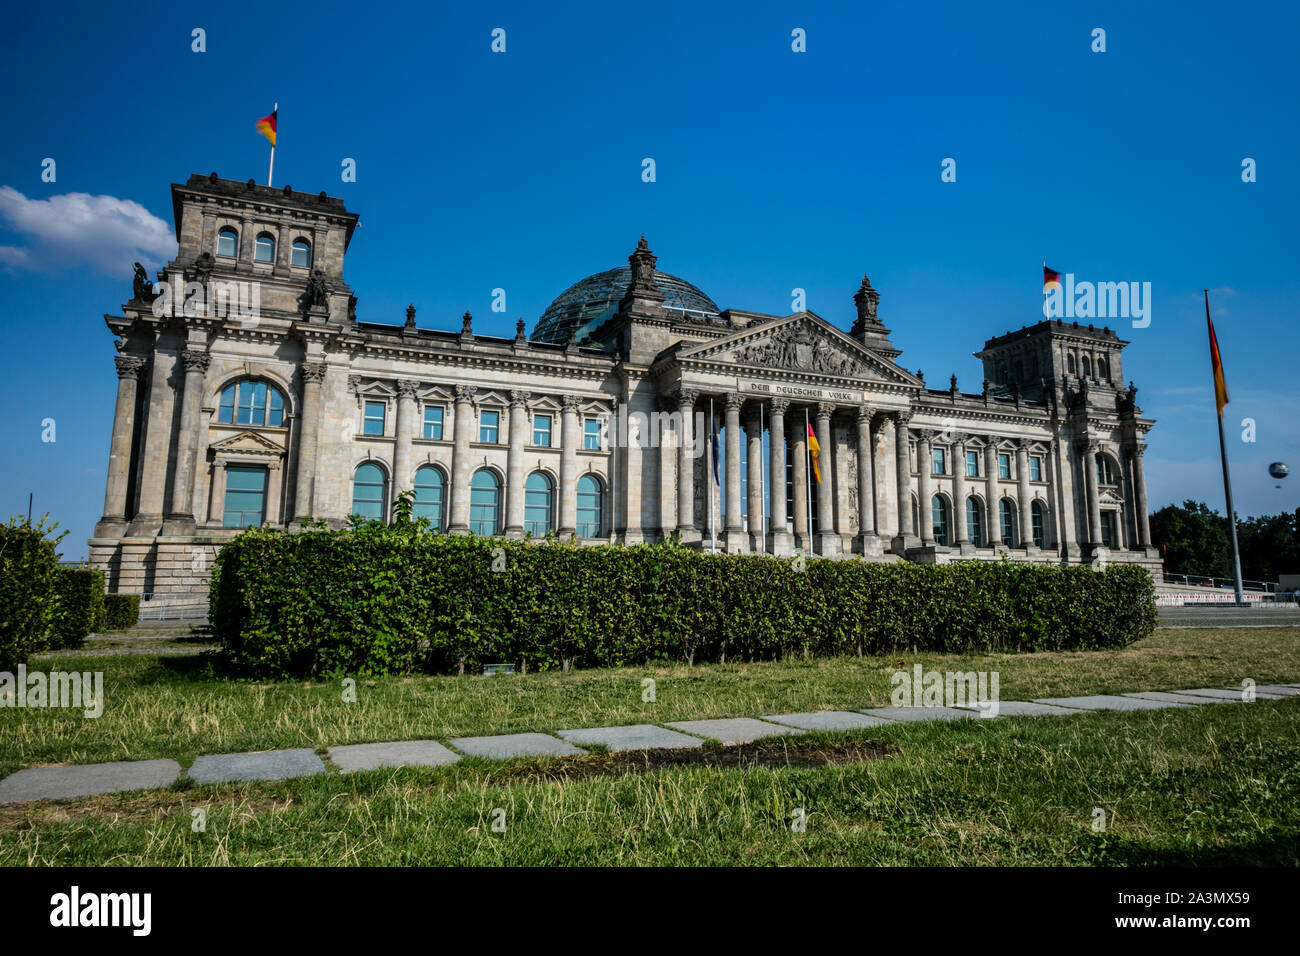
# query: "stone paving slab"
{"points": [[404, 753], [1225, 694], [87, 780], [505, 746], [263, 765], [1109, 702], [735, 730], [1171, 697], [632, 737], [1022, 708], [827, 720], [1284, 690], [920, 713]]}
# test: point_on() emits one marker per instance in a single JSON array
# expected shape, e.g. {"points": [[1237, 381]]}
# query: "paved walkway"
{"points": [[60, 783]]}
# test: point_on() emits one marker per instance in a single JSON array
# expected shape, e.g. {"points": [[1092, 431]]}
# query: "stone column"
{"points": [[992, 512], [686, 529], [906, 536], [961, 533], [274, 487], [782, 543], [180, 516], [460, 460], [1024, 494], [1140, 498], [634, 440], [217, 506], [313, 374], [924, 468], [404, 426], [156, 448], [868, 539], [754, 430], [515, 464], [830, 543], [570, 439], [1087, 450], [668, 439], [735, 540], [113, 524], [799, 449]]}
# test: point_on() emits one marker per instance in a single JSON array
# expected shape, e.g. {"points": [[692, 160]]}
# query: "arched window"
{"points": [[485, 503], [1007, 516], [1069, 363], [429, 495], [539, 504], [369, 491], [590, 506], [1039, 515], [1087, 367], [939, 514], [264, 248], [227, 242], [1105, 471], [251, 401], [1103, 370], [975, 522], [301, 254]]}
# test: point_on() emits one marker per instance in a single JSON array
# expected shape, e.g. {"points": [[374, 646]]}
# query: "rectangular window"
{"points": [[1004, 466], [972, 464], [542, 431], [374, 420], [1109, 530], [940, 461], [1035, 469], [433, 422], [591, 434], [245, 496], [489, 426]]}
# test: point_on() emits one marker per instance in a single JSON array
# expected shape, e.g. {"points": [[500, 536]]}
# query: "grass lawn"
{"points": [[1219, 783]]}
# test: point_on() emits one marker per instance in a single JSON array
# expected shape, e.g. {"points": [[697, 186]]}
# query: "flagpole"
{"points": [[808, 475], [271, 169], [713, 454], [1227, 478], [762, 487]]}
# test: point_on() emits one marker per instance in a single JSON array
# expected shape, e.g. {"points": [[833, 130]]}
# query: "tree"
{"points": [[1270, 546], [1193, 539]]}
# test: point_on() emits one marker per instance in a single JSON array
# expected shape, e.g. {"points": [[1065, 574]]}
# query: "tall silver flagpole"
{"points": [[808, 474]]}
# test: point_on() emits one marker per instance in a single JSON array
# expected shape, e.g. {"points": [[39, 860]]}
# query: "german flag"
{"points": [[814, 450], [1216, 363], [1050, 276], [266, 126]]}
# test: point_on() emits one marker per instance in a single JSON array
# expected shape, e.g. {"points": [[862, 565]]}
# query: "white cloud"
{"points": [[75, 229]]}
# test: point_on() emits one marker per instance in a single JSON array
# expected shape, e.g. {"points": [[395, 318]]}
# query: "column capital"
{"points": [[313, 372], [866, 413], [825, 410], [734, 400], [779, 406], [519, 397], [406, 388], [569, 403], [687, 397], [129, 366], [465, 393], [196, 360], [902, 417]]}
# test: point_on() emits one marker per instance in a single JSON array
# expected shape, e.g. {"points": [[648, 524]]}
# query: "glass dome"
{"points": [[585, 305]]}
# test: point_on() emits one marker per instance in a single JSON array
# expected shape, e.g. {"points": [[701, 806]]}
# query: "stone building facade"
{"points": [[249, 392]]}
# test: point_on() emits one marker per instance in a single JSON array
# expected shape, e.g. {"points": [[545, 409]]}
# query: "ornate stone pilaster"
{"points": [[782, 542], [129, 370], [570, 441], [829, 542], [461, 464], [313, 375], [515, 463]]}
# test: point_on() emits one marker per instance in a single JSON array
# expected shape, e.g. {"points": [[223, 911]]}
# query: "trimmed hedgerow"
{"points": [[78, 606], [29, 566], [120, 611], [393, 600]]}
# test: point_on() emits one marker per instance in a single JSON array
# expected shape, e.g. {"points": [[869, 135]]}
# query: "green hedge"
{"points": [[29, 569], [393, 600], [78, 607], [120, 611]]}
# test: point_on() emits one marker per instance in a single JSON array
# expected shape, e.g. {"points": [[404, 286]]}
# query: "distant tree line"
{"points": [[1194, 540]]}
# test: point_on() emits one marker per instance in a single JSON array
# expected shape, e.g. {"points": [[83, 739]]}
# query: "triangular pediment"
{"points": [[248, 443], [1108, 496], [803, 343]]}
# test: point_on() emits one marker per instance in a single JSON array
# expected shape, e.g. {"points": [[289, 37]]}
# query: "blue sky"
{"points": [[775, 170]]}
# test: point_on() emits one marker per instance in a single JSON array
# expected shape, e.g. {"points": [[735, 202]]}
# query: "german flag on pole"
{"points": [[1050, 276], [266, 126], [814, 450], [1216, 363]]}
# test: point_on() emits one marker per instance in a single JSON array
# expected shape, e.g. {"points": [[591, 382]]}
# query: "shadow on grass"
{"points": [[1278, 847]]}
